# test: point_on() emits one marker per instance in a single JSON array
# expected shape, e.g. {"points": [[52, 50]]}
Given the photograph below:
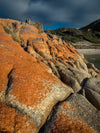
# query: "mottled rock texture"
{"points": [[75, 114], [92, 91], [37, 71]]}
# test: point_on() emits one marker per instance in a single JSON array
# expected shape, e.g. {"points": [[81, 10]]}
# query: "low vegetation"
{"points": [[16, 38], [11, 32], [7, 29], [92, 36]]}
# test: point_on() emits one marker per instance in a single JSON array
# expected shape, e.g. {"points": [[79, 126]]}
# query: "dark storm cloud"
{"points": [[74, 12]]}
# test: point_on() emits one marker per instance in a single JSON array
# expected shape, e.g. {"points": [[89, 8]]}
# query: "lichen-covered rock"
{"points": [[76, 115], [27, 85], [13, 121], [38, 70]]}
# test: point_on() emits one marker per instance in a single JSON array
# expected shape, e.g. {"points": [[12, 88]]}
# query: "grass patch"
{"points": [[72, 39], [16, 38], [8, 29], [93, 37]]}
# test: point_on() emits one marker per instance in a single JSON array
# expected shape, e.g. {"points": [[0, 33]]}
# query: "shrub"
{"points": [[16, 38], [14, 35], [7, 29]]}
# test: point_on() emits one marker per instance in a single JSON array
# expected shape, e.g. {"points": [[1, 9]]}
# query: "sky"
{"points": [[52, 14]]}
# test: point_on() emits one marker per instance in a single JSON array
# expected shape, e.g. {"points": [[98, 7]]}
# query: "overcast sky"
{"points": [[52, 13]]}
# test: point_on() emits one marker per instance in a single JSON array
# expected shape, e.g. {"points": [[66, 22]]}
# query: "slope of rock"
{"points": [[27, 85], [36, 72], [75, 114]]}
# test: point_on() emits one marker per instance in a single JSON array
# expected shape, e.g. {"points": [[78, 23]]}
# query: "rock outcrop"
{"points": [[75, 114], [46, 86]]}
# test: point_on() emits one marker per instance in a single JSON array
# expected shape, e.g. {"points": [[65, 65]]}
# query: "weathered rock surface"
{"points": [[92, 91], [76, 115], [27, 85], [36, 72]]}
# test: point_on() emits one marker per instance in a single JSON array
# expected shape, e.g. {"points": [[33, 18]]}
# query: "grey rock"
{"points": [[93, 97], [93, 84], [68, 78], [54, 69], [93, 70], [71, 76], [76, 108], [80, 64], [60, 66], [90, 65], [92, 91], [80, 76]]}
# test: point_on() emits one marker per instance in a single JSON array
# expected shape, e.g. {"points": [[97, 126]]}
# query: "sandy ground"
{"points": [[89, 51]]}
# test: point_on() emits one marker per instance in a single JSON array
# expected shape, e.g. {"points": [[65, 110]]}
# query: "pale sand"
{"points": [[89, 51]]}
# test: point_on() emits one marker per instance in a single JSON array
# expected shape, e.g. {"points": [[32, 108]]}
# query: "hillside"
{"points": [[46, 85], [90, 33], [94, 26]]}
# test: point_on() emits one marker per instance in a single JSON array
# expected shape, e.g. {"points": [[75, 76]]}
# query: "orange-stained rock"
{"points": [[31, 84], [31, 51], [12, 121], [7, 118], [28, 86], [47, 46], [8, 21], [76, 115]]}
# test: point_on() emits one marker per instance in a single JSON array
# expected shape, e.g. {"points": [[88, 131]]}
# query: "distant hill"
{"points": [[89, 33], [94, 26]]}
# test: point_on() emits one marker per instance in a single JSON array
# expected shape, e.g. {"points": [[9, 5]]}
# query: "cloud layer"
{"points": [[74, 13]]}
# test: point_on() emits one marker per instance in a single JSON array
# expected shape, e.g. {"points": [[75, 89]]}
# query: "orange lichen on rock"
{"points": [[47, 46], [24, 124], [60, 49], [7, 116], [31, 82], [27, 85], [53, 47], [73, 115], [11, 121], [27, 81], [8, 21], [67, 123], [5, 68]]}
